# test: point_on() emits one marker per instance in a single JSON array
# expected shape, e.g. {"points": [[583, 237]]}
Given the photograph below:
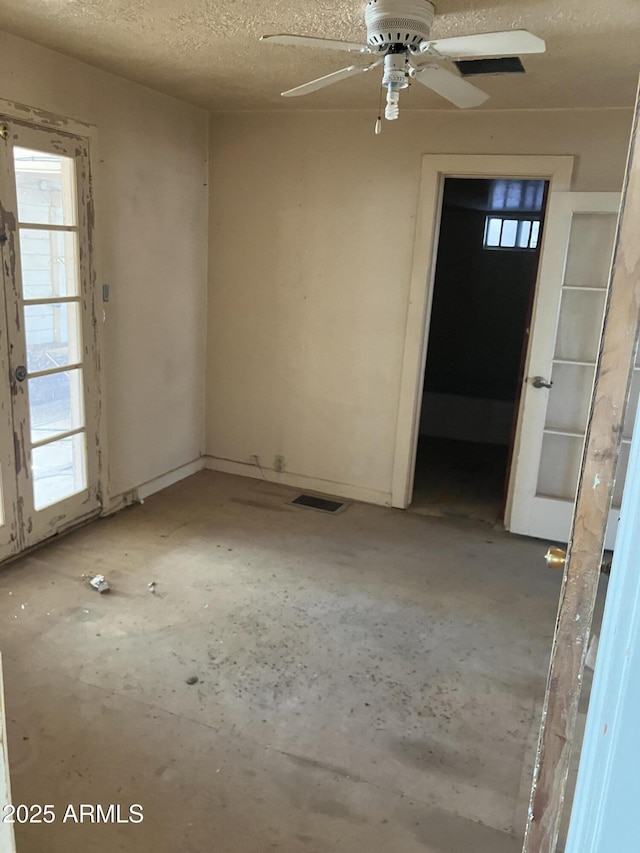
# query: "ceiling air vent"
{"points": [[504, 65]]}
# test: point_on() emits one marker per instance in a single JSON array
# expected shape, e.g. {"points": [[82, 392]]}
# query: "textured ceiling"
{"points": [[207, 51]]}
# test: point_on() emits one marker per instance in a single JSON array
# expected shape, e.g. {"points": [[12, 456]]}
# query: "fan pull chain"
{"points": [[378, 128]]}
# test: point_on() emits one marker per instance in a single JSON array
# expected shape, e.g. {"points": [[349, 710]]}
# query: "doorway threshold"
{"points": [[459, 479]]}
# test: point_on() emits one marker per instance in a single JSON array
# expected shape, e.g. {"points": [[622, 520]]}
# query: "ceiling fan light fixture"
{"points": [[398, 35], [392, 108], [406, 22], [394, 78]]}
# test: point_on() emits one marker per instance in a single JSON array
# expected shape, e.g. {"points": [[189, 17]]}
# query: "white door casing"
{"points": [[435, 168], [50, 465], [567, 319], [8, 495]]}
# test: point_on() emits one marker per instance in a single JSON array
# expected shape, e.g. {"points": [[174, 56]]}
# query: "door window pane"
{"points": [[590, 249], [559, 466], [55, 404], [59, 470], [569, 397], [49, 263], [53, 335], [45, 186], [579, 325]]}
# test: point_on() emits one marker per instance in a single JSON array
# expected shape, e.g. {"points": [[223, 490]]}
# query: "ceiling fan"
{"points": [[398, 35]]}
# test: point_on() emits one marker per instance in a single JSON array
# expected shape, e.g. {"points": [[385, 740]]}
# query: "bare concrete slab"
{"points": [[367, 681]]}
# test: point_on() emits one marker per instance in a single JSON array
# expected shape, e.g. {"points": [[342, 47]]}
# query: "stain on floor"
{"points": [[369, 681]]}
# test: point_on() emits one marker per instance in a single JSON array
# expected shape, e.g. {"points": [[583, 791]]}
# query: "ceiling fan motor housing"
{"points": [[406, 22]]}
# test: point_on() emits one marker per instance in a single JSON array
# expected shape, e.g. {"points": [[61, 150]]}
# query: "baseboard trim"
{"points": [[298, 481], [157, 484], [171, 477]]}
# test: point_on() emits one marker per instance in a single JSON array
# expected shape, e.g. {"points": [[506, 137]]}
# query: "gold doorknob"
{"points": [[556, 558]]}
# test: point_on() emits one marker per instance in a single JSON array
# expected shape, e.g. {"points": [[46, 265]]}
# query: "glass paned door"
{"points": [[50, 329], [575, 265]]}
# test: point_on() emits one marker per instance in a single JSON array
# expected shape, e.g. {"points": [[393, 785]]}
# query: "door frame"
{"points": [[596, 480], [9, 514], [601, 785], [558, 171], [86, 136]]}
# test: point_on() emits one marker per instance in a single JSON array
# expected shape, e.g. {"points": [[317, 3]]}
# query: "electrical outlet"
{"points": [[278, 464]]}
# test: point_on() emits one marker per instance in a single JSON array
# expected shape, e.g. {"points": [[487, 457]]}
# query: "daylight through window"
{"points": [[503, 233]]}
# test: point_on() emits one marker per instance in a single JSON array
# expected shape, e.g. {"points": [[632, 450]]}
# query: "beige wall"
{"points": [[311, 235], [149, 170], [310, 241]]}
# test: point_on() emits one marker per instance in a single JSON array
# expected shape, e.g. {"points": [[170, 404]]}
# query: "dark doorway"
{"points": [[486, 271]]}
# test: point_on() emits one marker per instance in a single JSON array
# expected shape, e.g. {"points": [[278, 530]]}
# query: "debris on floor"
{"points": [[193, 679], [152, 587], [99, 582]]}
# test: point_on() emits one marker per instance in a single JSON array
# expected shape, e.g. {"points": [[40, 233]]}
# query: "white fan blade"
{"points": [[311, 41], [329, 79], [450, 86], [507, 43]]}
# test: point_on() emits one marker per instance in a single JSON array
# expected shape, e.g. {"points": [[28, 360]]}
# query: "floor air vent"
{"points": [[504, 65], [313, 502]]}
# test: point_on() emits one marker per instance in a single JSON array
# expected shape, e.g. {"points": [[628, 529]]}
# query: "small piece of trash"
{"points": [[205, 607], [152, 587], [22, 606], [99, 582], [193, 679]]}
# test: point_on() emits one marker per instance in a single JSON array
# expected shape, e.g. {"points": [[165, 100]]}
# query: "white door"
{"points": [[574, 274], [49, 452]]}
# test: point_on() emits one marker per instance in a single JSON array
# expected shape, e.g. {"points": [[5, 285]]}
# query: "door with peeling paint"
{"points": [[576, 259], [49, 423]]}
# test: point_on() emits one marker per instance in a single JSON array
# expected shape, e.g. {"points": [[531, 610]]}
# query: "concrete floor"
{"points": [[460, 478], [369, 681]]}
